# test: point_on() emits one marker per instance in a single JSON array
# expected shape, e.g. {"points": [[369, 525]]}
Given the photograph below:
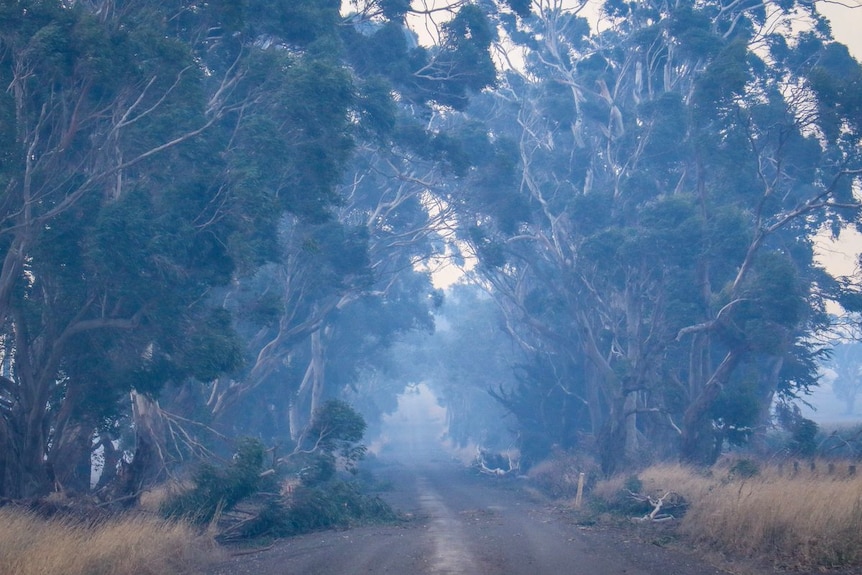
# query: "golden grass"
{"points": [[793, 519], [131, 545]]}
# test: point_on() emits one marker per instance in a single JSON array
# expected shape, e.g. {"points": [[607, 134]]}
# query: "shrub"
{"points": [[558, 476], [744, 469], [803, 440]]}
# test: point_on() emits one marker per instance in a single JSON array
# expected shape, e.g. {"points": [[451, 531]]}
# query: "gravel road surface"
{"points": [[462, 523]]}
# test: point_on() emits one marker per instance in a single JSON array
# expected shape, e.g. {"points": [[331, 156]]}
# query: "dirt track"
{"points": [[461, 523]]}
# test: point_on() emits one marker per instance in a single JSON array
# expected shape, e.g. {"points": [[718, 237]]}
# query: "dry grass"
{"points": [[132, 545], [804, 519], [558, 476]]}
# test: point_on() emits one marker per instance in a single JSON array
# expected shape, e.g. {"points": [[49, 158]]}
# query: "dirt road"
{"points": [[461, 523]]}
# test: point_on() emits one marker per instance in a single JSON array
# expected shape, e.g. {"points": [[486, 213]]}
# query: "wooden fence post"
{"points": [[580, 496]]}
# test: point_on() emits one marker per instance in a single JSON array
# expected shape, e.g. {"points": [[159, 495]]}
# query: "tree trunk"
{"points": [[72, 439], [631, 445], [319, 362], [312, 383], [698, 438], [612, 440], [596, 404], [30, 423], [69, 459], [111, 463], [148, 461], [4, 450], [26, 473]]}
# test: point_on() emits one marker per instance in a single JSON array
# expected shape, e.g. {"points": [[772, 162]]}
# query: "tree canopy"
{"points": [[220, 219]]}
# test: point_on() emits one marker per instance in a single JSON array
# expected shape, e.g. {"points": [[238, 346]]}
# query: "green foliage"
{"points": [[668, 129], [803, 431], [520, 7], [323, 503], [165, 145], [330, 443], [725, 77], [216, 490], [314, 468], [464, 64], [737, 411], [335, 429], [803, 440], [836, 80], [655, 171], [693, 31], [395, 9], [301, 23], [338, 504], [212, 347], [624, 197]]}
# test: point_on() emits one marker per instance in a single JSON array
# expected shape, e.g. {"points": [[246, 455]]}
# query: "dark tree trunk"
{"points": [[70, 459], [698, 437], [612, 440], [4, 450], [148, 460]]}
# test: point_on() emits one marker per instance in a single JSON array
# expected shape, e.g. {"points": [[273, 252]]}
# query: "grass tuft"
{"points": [[130, 545]]}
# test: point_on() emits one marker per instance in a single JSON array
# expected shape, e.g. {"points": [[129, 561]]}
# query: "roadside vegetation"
{"points": [[794, 505], [129, 545], [181, 525], [812, 518], [807, 515], [259, 494]]}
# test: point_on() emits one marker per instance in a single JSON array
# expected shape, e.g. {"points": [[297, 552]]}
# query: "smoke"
{"points": [[415, 431]]}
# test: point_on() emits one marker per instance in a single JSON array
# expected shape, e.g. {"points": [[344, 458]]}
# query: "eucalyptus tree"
{"points": [[291, 146], [345, 283], [149, 152], [343, 280], [91, 235], [656, 240]]}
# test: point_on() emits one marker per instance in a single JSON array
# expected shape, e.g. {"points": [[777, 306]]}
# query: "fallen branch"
{"points": [[513, 464], [653, 516]]}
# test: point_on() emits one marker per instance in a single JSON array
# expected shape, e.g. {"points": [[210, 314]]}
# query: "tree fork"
{"points": [[696, 435]]}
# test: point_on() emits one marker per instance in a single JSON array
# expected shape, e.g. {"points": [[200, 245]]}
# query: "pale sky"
{"points": [[846, 19], [842, 257], [845, 15]]}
